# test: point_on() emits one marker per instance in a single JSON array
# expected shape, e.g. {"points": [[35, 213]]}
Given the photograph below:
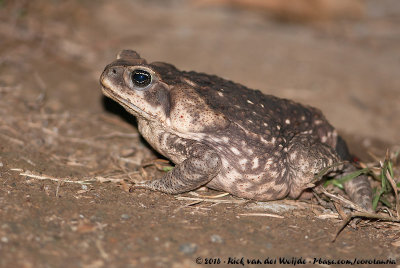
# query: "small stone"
{"points": [[188, 248], [216, 238], [125, 217], [84, 187], [1, 164], [4, 239]]}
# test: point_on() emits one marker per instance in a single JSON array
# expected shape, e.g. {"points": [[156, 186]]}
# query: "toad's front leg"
{"points": [[201, 166]]}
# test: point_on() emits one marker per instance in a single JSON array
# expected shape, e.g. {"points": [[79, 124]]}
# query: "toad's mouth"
{"points": [[130, 107]]}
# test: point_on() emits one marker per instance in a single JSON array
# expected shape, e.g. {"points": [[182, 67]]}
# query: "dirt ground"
{"points": [[68, 156]]}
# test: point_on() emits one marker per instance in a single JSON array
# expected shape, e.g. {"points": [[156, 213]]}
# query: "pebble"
{"points": [[125, 217], [188, 248], [216, 238]]}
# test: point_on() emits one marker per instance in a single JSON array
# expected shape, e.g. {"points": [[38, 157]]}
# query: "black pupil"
{"points": [[141, 78]]}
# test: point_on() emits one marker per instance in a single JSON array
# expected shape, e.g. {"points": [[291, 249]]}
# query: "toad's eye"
{"points": [[141, 78]]}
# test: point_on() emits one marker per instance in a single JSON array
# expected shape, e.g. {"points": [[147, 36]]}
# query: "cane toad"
{"points": [[225, 136]]}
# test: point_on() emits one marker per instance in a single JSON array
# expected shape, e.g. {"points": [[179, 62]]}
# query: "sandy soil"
{"points": [[68, 156]]}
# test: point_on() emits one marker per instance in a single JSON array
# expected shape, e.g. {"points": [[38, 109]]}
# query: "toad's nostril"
{"points": [[114, 71]]}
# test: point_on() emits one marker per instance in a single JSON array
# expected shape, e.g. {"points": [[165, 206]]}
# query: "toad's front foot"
{"points": [[189, 175]]}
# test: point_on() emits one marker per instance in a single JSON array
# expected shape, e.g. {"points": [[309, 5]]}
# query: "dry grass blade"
{"points": [[210, 200], [160, 164], [212, 196], [68, 180], [44, 177], [328, 216], [13, 140], [394, 186], [326, 170], [108, 179], [366, 215], [340, 210], [342, 200], [262, 215]]}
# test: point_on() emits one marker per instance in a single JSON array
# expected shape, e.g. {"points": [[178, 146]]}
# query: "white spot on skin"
{"points": [[262, 105], [264, 140], [249, 101], [317, 122], [220, 94], [278, 127], [237, 106], [190, 82], [268, 164], [303, 117], [225, 139], [235, 151], [250, 121], [324, 138], [287, 121], [307, 132], [255, 163], [243, 161], [265, 124]]}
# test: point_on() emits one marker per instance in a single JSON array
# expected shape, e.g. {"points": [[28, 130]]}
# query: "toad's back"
{"points": [[264, 115]]}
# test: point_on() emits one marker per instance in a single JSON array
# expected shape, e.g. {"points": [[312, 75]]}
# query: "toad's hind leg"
{"points": [[359, 188], [305, 159]]}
